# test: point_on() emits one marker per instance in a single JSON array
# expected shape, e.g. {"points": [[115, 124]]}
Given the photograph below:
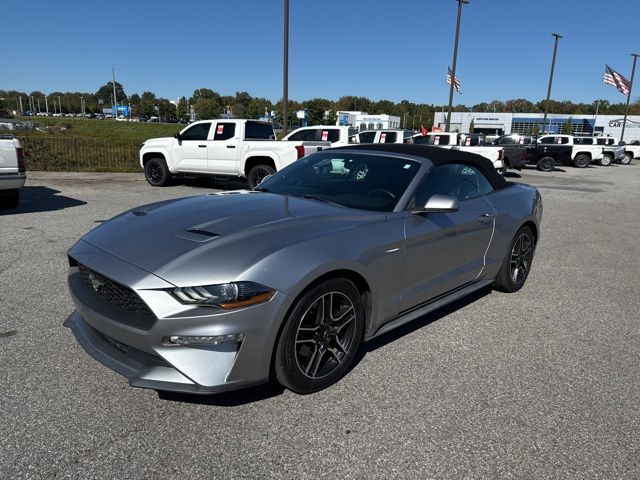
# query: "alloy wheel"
{"points": [[325, 335], [521, 255]]}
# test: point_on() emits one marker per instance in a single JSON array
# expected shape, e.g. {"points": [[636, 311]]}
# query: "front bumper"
{"points": [[140, 352]]}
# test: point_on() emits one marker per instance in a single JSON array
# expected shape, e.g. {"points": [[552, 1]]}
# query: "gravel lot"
{"points": [[538, 384]]}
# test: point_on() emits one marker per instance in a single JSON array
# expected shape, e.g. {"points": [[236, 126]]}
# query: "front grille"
{"points": [[113, 292]]}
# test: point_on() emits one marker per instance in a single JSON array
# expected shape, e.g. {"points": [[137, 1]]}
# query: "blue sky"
{"points": [[378, 49]]}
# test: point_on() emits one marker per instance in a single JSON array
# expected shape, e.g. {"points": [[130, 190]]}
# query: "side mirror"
{"points": [[439, 204], [178, 137]]}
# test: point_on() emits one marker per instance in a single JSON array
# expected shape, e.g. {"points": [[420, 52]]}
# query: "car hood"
{"points": [[218, 236], [159, 141]]}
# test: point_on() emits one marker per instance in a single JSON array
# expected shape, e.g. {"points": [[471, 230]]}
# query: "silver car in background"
{"points": [[222, 291]]}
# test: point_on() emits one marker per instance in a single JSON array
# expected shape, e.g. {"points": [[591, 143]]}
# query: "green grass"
{"points": [[107, 128]]}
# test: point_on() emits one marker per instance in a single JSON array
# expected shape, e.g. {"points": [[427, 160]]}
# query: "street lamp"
{"points": [[455, 59], [285, 79], [553, 65], [626, 111]]}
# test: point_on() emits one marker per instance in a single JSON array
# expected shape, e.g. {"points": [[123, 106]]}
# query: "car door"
{"points": [[189, 154], [223, 149], [444, 251]]}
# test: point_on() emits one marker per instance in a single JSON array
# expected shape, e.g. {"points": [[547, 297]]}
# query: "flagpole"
{"points": [[455, 58], [626, 111], [553, 66]]}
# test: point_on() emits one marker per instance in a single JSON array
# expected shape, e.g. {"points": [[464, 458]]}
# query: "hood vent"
{"points": [[197, 235]]}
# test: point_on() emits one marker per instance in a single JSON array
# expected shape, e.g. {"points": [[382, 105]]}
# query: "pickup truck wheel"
{"points": [[626, 160], [156, 172], [546, 164], [606, 160], [502, 170], [581, 160], [257, 173], [10, 200]]}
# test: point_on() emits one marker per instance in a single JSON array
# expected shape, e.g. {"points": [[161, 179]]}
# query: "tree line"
{"points": [[207, 103]]}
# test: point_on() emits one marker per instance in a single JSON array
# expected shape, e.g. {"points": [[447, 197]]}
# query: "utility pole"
{"points": [[115, 99], [21, 109], [285, 81], [46, 104], [455, 59], [60, 105], [626, 111], [553, 66]]}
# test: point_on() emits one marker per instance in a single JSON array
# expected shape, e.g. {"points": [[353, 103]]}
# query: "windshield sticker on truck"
{"points": [[220, 130], [383, 137], [558, 140], [325, 135], [467, 141], [436, 141]]}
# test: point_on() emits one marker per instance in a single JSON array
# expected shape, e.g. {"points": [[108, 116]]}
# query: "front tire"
{"points": [[606, 160], [626, 160], [581, 161], [320, 338], [258, 173], [546, 164], [156, 172], [517, 263]]}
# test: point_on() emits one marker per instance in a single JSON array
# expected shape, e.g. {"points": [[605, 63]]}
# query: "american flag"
{"points": [[613, 78], [456, 82]]}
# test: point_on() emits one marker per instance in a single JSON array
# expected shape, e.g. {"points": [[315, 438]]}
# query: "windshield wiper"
{"points": [[314, 197], [260, 189]]}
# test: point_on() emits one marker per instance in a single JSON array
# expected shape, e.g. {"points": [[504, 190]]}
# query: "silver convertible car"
{"points": [[226, 290]]}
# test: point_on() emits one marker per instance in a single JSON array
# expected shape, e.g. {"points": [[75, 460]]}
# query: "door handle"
{"points": [[231, 146], [485, 217], [202, 146]]}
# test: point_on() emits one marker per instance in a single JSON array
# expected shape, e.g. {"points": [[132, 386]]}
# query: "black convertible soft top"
{"points": [[438, 156]]}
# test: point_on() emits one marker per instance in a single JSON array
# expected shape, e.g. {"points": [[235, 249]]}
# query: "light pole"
{"points": [[553, 66], [626, 111], [455, 59], [285, 79]]}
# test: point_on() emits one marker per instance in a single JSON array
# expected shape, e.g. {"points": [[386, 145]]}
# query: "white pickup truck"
{"points": [[462, 142], [581, 155], [337, 135], [226, 148], [13, 173], [630, 151], [385, 136]]}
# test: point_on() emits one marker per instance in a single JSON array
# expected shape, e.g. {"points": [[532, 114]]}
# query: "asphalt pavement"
{"points": [[543, 383]]}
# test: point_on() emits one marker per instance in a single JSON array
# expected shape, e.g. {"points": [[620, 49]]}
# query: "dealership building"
{"points": [[365, 121], [526, 123]]}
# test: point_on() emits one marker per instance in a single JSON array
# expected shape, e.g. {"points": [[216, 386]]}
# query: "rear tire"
{"points": [[10, 199], [546, 164], [320, 337], [581, 161], [606, 160], [257, 174], [517, 263], [626, 160], [156, 172]]}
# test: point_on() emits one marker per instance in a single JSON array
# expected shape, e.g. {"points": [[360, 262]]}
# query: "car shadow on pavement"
{"points": [[42, 199], [209, 183], [512, 175], [230, 399]]}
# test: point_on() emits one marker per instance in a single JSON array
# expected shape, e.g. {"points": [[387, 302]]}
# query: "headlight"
{"points": [[226, 296]]}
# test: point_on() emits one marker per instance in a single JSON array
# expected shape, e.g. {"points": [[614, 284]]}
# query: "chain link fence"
{"points": [[80, 154]]}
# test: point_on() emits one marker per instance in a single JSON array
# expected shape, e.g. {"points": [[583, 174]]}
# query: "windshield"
{"points": [[365, 182]]}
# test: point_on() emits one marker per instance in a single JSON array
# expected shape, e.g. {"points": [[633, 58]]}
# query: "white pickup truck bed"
{"points": [[12, 171]]}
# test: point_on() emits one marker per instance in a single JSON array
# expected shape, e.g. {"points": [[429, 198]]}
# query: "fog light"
{"points": [[206, 339]]}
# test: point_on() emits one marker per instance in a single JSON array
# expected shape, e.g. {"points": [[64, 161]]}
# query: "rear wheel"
{"points": [[517, 264], [156, 172], [10, 199], [581, 160], [606, 160], [546, 164], [257, 174], [320, 337], [626, 160]]}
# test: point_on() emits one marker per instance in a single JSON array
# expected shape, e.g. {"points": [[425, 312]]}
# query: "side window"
{"points": [[367, 137], [197, 132], [308, 135], [389, 137], [224, 131], [328, 135], [463, 182], [548, 140]]}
